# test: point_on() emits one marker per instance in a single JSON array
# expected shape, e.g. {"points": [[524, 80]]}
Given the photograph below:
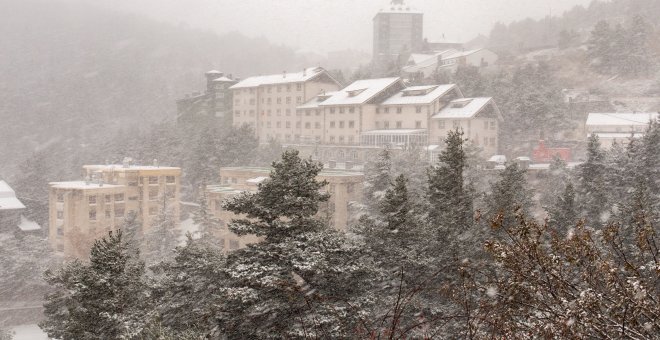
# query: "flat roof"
{"points": [[324, 172], [394, 132], [120, 167], [82, 185], [625, 119]]}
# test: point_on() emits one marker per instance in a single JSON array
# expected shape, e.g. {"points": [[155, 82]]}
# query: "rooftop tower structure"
{"points": [[398, 31]]}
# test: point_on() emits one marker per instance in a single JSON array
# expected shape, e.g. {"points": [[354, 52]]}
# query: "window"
{"points": [[288, 112], [108, 198], [299, 100], [351, 124], [119, 197], [493, 125], [318, 112], [351, 110], [288, 87], [317, 125], [485, 141], [341, 141], [92, 214], [456, 123], [92, 199], [332, 110], [418, 109], [60, 231], [170, 179], [341, 124], [386, 124], [60, 215], [153, 180], [441, 124], [332, 139], [60, 197], [378, 110], [119, 212], [268, 124], [107, 214], [252, 101], [351, 139], [399, 110], [268, 89], [279, 88], [485, 125], [418, 124], [492, 141], [332, 124], [133, 198], [350, 188], [341, 110], [386, 110], [299, 87], [308, 112], [153, 211], [298, 125], [279, 100], [399, 124], [308, 125], [288, 100], [288, 125], [278, 124], [153, 194], [279, 112]]}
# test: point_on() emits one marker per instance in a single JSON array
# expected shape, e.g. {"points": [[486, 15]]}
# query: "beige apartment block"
{"points": [[345, 187], [82, 211], [268, 103], [479, 118]]}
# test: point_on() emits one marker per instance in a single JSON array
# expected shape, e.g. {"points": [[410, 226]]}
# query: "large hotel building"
{"points": [[82, 211]]}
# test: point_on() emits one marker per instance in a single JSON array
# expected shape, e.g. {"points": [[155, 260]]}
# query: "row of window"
{"points": [[398, 109], [397, 125], [278, 88], [269, 100], [492, 125], [341, 124], [342, 139]]}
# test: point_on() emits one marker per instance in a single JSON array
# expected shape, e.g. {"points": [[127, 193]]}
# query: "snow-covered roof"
{"points": [[222, 189], [419, 94], [316, 101], [213, 72], [463, 108], [623, 119], [28, 225], [256, 180], [459, 54], [360, 91], [223, 79], [119, 167], [282, 78], [82, 185], [8, 200], [618, 135]]}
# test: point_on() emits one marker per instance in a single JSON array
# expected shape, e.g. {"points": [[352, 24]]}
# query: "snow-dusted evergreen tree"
{"points": [[206, 222], [303, 279], [189, 292], [104, 299], [509, 195], [132, 229], [591, 190], [563, 214], [6, 335], [24, 259], [449, 194], [553, 181], [162, 237], [378, 177]]}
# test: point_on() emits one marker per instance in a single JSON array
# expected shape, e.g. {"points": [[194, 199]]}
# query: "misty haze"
{"points": [[315, 169]]}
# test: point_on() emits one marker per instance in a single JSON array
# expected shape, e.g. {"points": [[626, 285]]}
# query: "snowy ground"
{"points": [[28, 332]]}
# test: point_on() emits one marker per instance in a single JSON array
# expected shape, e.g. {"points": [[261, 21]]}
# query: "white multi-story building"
{"points": [[619, 127]]}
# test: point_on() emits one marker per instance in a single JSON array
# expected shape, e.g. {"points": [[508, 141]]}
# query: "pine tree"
{"points": [[591, 193], [563, 214], [638, 51], [162, 237], [470, 81], [207, 224], [509, 196], [132, 229], [378, 177], [450, 197], [600, 47], [105, 299], [303, 279]]}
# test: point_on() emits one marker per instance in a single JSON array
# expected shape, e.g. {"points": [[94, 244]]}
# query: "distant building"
{"points": [[215, 104], [619, 127], [421, 66], [344, 187], [81, 211], [398, 32], [10, 209], [268, 103], [479, 118]]}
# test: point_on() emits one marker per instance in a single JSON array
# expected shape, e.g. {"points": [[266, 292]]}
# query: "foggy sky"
{"points": [[329, 25]]}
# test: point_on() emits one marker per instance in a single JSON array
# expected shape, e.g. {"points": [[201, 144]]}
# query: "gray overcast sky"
{"points": [[328, 25]]}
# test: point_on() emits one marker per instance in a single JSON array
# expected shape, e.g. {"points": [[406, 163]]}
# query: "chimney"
{"points": [[284, 74]]}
